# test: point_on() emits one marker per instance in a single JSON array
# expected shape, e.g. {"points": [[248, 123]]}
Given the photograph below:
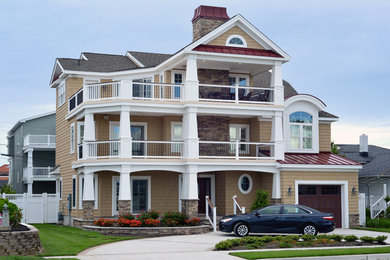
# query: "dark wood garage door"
{"points": [[325, 198]]}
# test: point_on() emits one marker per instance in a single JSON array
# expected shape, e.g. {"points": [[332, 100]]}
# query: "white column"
{"points": [[276, 185], [277, 83], [89, 133], [89, 193], [191, 83], [277, 136], [124, 132], [29, 170], [125, 89], [190, 134], [189, 190], [124, 184]]}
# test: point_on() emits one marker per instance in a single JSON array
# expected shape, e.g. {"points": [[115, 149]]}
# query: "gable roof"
{"points": [[149, 59], [21, 121], [4, 169], [376, 164]]}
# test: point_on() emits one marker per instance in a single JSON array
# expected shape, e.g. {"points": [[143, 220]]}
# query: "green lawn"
{"points": [[312, 252], [60, 240], [387, 230], [31, 258]]}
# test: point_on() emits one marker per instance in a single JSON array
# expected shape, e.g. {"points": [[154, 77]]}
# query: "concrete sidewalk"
{"points": [[191, 247]]}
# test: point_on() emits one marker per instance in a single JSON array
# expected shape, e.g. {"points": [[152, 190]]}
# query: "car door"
{"points": [[292, 219], [266, 220]]}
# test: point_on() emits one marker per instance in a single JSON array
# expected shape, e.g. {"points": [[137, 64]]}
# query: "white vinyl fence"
{"points": [[36, 208], [362, 209]]}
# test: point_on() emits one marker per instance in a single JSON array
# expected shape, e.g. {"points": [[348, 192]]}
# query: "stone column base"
{"points": [[124, 207], [190, 208], [354, 220], [88, 207], [276, 201]]}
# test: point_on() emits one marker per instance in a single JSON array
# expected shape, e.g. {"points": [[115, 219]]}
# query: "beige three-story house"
{"points": [[145, 131]]}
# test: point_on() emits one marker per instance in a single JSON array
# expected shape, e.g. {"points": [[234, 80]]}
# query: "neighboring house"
{"points": [[147, 131], [31, 147], [374, 177], [4, 171]]}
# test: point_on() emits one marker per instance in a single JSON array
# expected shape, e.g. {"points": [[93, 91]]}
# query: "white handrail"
{"points": [[237, 205], [376, 211], [233, 86], [214, 209]]}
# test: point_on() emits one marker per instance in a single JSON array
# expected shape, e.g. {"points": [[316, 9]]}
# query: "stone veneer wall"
{"points": [[20, 242], [354, 220], [217, 77], [203, 26], [149, 231], [213, 128]]}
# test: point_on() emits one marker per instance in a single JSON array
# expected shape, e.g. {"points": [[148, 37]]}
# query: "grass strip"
{"points": [[387, 230], [312, 252], [60, 240], [12, 257]]}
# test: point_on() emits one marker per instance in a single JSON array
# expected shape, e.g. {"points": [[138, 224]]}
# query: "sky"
{"points": [[340, 50]]}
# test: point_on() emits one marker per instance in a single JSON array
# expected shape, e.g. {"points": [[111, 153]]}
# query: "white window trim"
{"points": [[301, 136], [72, 138], [74, 196], [144, 124], [61, 93], [78, 131], [149, 179], [60, 187], [238, 76], [236, 45], [250, 183], [174, 146], [247, 127], [112, 124], [115, 179], [182, 72], [95, 191]]}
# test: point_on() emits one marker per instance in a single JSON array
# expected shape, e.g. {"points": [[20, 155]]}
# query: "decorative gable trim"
{"points": [[133, 59]]}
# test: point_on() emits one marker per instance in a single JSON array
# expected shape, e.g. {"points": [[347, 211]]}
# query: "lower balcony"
{"points": [[39, 173], [141, 149]]}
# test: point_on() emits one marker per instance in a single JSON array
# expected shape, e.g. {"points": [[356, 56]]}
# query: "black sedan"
{"points": [[279, 219]]}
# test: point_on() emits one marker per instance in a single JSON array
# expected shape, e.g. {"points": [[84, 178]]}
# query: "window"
{"points": [[245, 183], [140, 187], [95, 190], [60, 188], [240, 80], [114, 130], [301, 131], [72, 138], [142, 90], [176, 135], [272, 210], [239, 133], [61, 93], [80, 138], [74, 191], [307, 189], [177, 78], [236, 41], [294, 210]]}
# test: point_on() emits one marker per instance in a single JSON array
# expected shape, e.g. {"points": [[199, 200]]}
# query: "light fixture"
{"points": [[203, 61], [289, 190], [354, 190], [240, 63]]}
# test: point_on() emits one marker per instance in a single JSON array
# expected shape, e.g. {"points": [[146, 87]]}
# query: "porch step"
{"points": [[205, 221]]}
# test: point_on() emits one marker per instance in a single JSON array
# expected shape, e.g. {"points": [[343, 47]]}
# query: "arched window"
{"points": [[236, 41], [301, 131]]}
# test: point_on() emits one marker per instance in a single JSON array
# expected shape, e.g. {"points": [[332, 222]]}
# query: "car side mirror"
{"points": [[257, 214]]}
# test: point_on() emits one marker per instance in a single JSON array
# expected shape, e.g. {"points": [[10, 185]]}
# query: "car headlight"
{"points": [[226, 220]]}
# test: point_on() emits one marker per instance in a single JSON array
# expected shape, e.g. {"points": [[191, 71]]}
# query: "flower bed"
{"points": [[295, 241]]}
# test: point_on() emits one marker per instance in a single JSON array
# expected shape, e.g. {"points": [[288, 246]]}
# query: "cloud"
{"points": [[348, 133]]}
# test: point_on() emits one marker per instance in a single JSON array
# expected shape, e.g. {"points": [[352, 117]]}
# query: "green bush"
{"points": [[148, 215], [367, 239], [15, 214], [351, 238], [284, 244], [261, 199], [387, 213], [226, 244], [267, 239], [378, 223], [336, 237], [308, 237], [7, 189], [127, 216], [381, 239], [368, 214], [173, 218]]}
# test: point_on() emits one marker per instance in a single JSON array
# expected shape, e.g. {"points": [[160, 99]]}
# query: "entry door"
{"points": [[138, 134], [140, 195], [204, 189]]}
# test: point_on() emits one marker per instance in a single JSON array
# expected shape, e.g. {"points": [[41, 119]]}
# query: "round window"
{"points": [[245, 183]]}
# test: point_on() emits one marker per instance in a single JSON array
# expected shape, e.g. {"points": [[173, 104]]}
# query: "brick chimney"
{"points": [[207, 18], [363, 149]]}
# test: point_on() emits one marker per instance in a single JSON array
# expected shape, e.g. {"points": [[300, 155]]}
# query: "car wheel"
{"points": [[241, 229], [309, 229]]}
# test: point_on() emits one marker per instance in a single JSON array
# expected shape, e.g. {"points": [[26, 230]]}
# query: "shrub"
{"points": [[294, 237], [226, 244], [192, 221], [7, 189], [351, 238], [15, 214], [368, 214], [102, 222], [285, 244], [123, 222], [148, 215], [173, 218], [381, 239], [336, 237], [308, 237], [261, 199], [367, 239], [150, 223], [127, 216], [387, 213], [378, 223], [267, 239]]}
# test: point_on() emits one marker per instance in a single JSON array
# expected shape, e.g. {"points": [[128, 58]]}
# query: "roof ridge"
{"points": [[98, 53], [150, 53]]}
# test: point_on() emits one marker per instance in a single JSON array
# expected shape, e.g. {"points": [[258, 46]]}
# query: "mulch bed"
{"points": [[20, 227]]}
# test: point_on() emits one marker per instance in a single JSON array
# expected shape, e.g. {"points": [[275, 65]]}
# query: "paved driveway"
{"points": [[180, 247]]}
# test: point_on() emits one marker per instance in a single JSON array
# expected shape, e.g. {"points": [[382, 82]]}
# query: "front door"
{"points": [[204, 189], [138, 134], [140, 195]]}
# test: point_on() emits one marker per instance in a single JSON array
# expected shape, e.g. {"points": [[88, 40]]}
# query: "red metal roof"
{"points": [[4, 178], [323, 158], [236, 50], [210, 12], [4, 169]]}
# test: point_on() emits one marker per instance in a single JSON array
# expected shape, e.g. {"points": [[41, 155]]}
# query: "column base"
{"points": [[276, 201], [88, 207], [124, 207], [190, 208], [354, 220]]}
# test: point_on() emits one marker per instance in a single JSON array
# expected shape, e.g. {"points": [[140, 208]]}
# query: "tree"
{"points": [[261, 199], [7, 189], [335, 148]]}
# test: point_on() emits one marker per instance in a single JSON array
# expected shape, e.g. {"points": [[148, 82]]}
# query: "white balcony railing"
{"points": [[40, 140], [39, 173], [109, 90], [157, 91], [235, 150], [235, 94], [103, 149]]}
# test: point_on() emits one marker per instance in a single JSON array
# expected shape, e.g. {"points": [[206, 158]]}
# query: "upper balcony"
{"points": [[150, 91], [40, 141], [38, 173]]}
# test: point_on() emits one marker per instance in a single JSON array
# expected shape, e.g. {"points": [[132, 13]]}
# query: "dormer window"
{"points": [[236, 41], [301, 131]]}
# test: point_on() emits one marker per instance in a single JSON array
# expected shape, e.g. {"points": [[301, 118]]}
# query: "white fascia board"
{"points": [[82, 57], [329, 120], [322, 168], [263, 60], [133, 59], [57, 63], [306, 98]]}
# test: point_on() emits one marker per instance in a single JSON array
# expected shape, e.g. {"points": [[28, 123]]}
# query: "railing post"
{"points": [[85, 93], [215, 219], [207, 208], [237, 150], [236, 93], [234, 205], [243, 210]]}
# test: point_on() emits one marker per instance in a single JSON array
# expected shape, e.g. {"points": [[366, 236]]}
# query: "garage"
{"points": [[325, 198]]}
